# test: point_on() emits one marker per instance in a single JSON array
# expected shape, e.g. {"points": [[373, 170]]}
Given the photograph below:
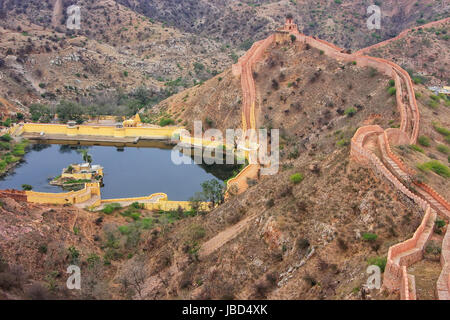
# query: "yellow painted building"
{"points": [[83, 171], [133, 122]]}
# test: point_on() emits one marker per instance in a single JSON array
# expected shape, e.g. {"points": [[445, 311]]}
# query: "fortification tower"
{"points": [[289, 25], [282, 34]]}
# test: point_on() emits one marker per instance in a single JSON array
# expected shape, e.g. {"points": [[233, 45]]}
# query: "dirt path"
{"points": [[223, 237], [402, 34], [57, 13]]}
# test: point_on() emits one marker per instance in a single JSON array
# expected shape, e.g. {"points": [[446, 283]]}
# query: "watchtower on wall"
{"points": [[289, 25], [282, 34]]}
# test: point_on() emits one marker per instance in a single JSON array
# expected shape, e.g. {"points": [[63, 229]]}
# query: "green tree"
{"points": [[40, 111], [142, 95], [69, 111], [196, 201], [86, 157], [213, 191]]}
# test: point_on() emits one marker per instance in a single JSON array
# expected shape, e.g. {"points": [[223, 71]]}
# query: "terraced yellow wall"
{"points": [[108, 131], [137, 199], [173, 205], [77, 176], [71, 197], [162, 204]]}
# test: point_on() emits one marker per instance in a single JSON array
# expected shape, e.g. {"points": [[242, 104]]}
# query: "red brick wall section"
{"points": [[443, 283], [404, 292], [407, 287], [387, 67], [434, 194], [393, 272], [14, 194], [394, 157]]}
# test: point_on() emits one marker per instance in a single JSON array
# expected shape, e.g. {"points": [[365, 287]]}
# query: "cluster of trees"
{"points": [[213, 191], [116, 103]]}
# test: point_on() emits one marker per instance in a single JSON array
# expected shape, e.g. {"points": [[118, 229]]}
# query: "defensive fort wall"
{"points": [[391, 168]]}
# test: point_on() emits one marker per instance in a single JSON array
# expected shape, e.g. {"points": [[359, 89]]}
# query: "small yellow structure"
{"points": [[133, 122], [84, 171], [446, 90], [90, 192]]}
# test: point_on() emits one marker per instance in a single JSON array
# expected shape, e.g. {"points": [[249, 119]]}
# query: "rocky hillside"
{"points": [[307, 232], [115, 49], [38, 243], [166, 46], [291, 98], [424, 52], [284, 238], [299, 241], [342, 22]]}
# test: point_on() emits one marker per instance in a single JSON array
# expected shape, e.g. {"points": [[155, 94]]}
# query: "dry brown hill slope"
{"points": [[342, 22], [424, 52], [305, 240], [115, 49]]}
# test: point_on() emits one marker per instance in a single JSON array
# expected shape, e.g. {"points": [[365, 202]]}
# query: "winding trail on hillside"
{"points": [[369, 146], [223, 237], [57, 13], [401, 35]]}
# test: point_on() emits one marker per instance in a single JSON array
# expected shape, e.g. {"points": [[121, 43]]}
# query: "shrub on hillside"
{"points": [[343, 142], [4, 145], [392, 91], [342, 244], [6, 281], [443, 148], [369, 236], [110, 208], [296, 178], [416, 148], [166, 121], [137, 205], [275, 84], [424, 141], [37, 292], [437, 167], [350, 112], [378, 261], [433, 104], [438, 225]]}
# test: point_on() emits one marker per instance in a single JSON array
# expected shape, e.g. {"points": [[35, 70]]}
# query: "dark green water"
{"points": [[129, 171]]}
